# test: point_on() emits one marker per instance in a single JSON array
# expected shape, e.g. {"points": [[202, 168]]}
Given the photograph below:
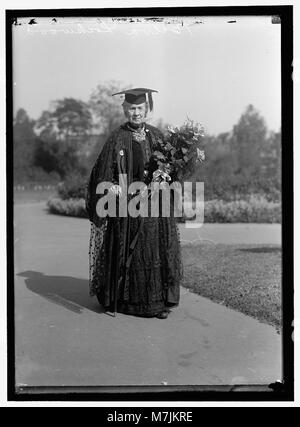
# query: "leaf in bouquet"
{"points": [[171, 129], [184, 127], [190, 141], [185, 136], [185, 139], [199, 130], [159, 155], [200, 155], [168, 146], [192, 154]]}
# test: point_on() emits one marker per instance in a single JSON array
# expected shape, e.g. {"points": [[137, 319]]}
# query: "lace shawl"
{"points": [[114, 159]]}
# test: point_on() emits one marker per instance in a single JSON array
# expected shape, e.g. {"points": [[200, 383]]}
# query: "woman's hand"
{"points": [[160, 175], [116, 189]]}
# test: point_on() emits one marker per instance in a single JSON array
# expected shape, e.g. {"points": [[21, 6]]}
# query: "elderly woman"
{"points": [[135, 262]]}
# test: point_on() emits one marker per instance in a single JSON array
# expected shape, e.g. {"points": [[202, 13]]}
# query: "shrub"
{"points": [[232, 188], [228, 189], [69, 207], [73, 187], [256, 209], [35, 175]]}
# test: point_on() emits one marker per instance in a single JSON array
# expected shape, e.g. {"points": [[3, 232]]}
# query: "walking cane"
{"points": [[118, 280], [116, 289], [115, 297], [116, 286]]}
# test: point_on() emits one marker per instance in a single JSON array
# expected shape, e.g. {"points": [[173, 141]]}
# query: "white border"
{"points": [[65, 4]]}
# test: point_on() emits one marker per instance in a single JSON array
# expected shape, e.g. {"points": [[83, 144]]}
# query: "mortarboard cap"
{"points": [[137, 96]]}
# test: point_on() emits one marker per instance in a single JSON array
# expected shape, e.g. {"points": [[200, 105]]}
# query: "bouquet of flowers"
{"points": [[180, 152]]}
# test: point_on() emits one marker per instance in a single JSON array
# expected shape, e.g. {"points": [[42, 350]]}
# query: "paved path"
{"points": [[63, 337]]}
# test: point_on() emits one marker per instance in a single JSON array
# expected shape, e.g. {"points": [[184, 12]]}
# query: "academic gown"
{"points": [[135, 263]]}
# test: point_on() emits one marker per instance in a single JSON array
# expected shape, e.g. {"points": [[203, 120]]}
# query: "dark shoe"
{"points": [[162, 315]]}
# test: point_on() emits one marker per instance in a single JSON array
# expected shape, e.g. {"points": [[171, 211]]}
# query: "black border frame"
{"points": [[275, 392]]}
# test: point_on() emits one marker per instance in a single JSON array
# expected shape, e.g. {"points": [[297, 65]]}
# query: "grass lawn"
{"points": [[246, 278]]}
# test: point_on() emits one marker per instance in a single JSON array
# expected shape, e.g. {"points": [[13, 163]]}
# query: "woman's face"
{"points": [[136, 114]]}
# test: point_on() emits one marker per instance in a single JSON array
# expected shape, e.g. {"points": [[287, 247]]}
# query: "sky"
{"points": [[208, 71]]}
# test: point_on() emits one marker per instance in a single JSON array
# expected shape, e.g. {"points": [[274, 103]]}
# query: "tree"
{"points": [[242, 162], [60, 135], [68, 117], [248, 142], [107, 114], [23, 144], [272, 156], [217, 170], [106, 110]]}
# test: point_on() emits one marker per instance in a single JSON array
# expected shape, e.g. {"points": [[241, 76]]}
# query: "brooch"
{"points": [[121, 152], [139, 136]]}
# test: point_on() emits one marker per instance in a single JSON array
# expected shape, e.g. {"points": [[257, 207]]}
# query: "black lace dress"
{"points": [[134, 261]]}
